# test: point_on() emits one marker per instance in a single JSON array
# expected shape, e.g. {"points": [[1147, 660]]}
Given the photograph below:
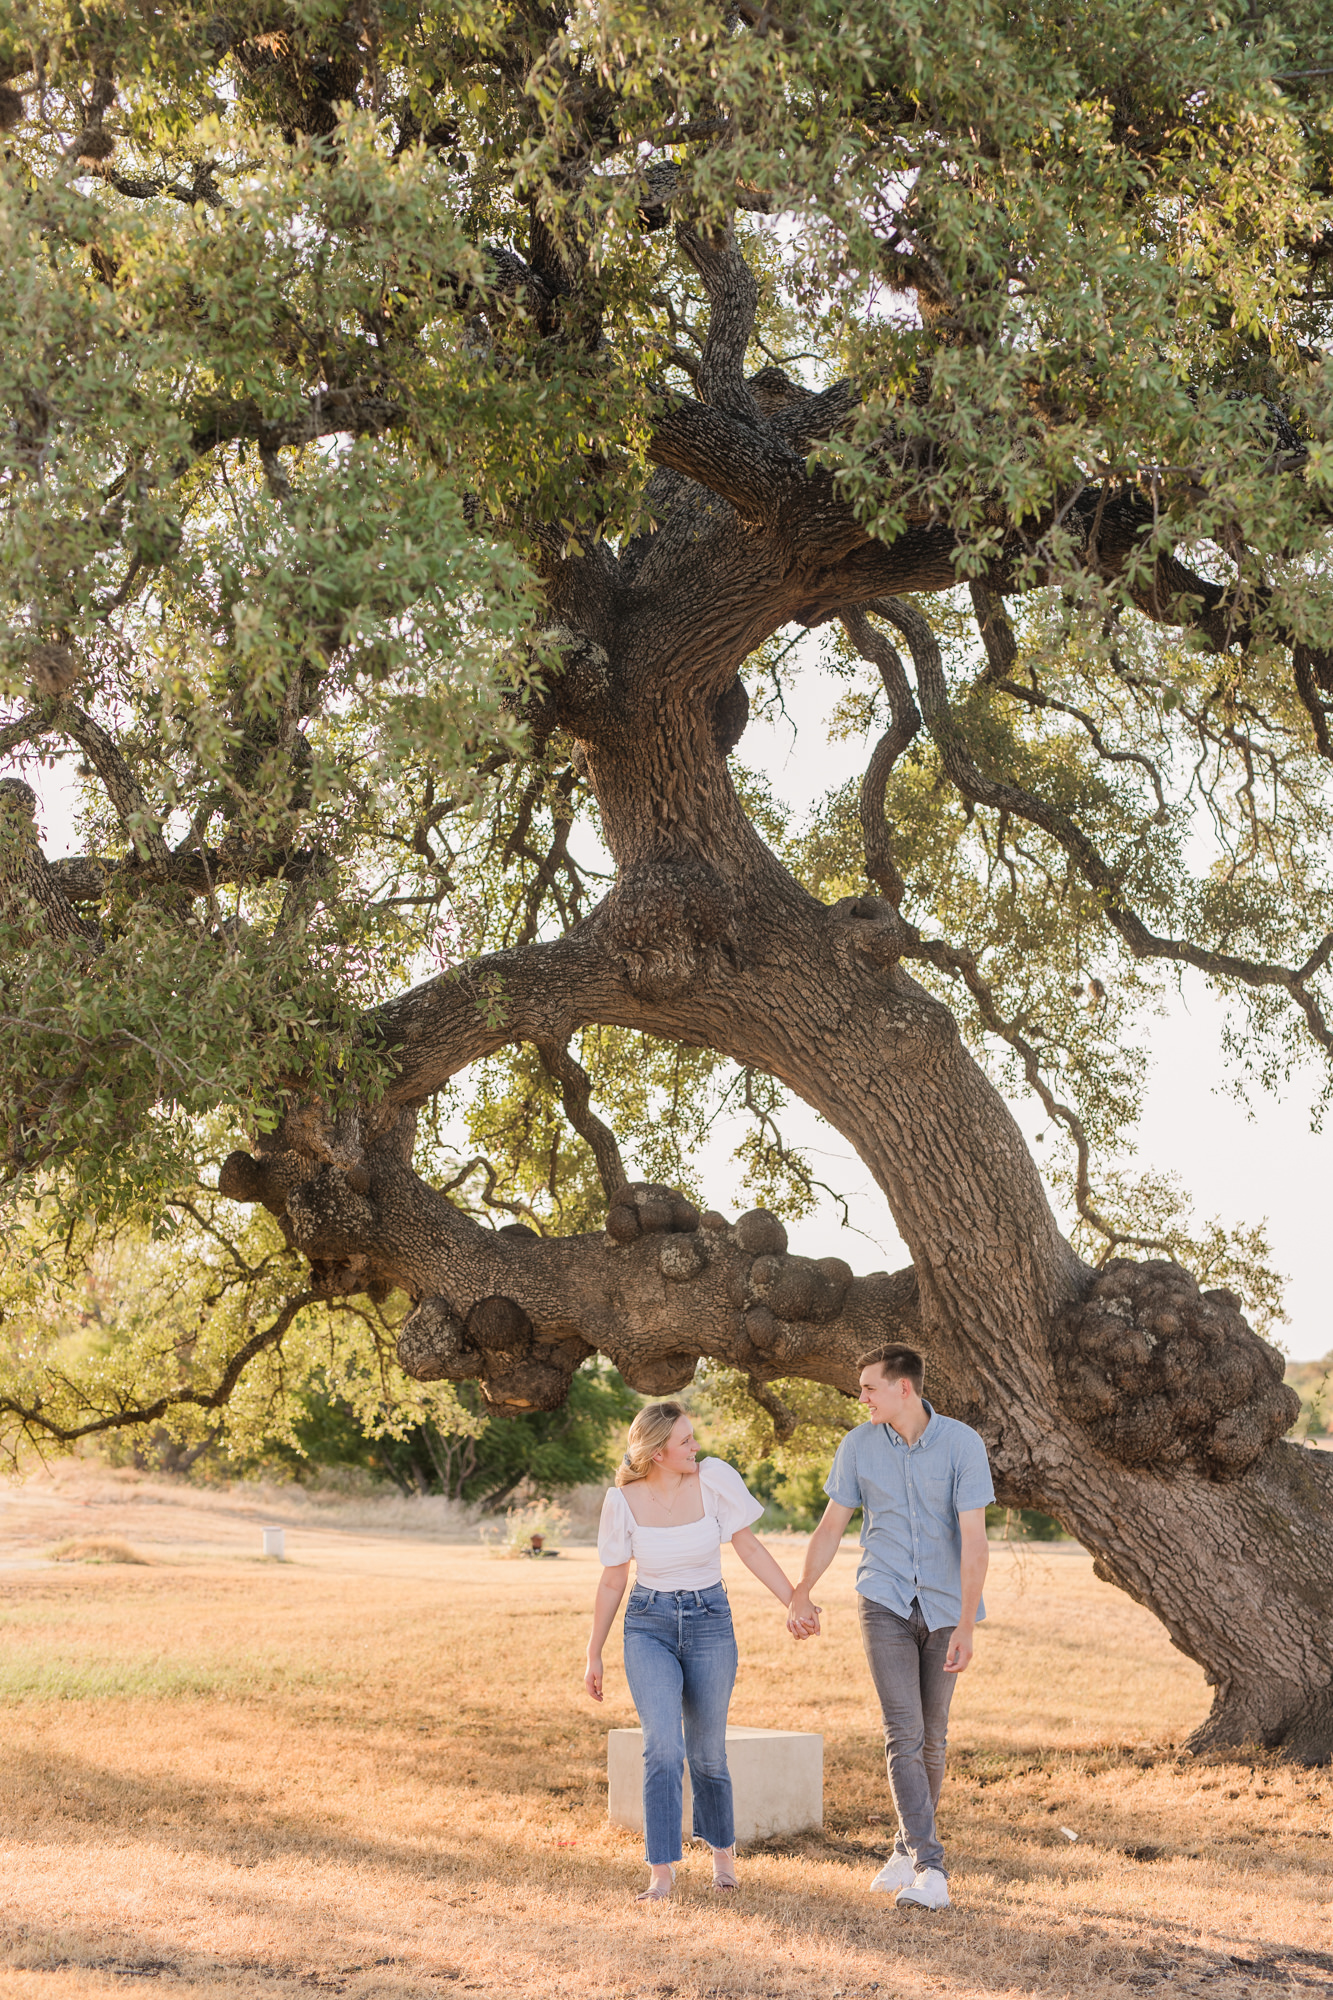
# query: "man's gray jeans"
{"points": [[907, 1667]]}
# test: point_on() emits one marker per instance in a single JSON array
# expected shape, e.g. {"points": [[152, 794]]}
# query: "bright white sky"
{"points": [[1239, 1168]]}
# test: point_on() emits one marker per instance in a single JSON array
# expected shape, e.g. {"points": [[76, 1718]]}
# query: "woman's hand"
{"points": [[802, 1615], [609, 1593]]}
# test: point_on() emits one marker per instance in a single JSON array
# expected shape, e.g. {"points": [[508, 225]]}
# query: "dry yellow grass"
{"points": [[371, 1771], [96, 1548]]}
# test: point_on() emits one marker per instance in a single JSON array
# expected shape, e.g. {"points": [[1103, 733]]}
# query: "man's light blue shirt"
{"points": [[911, 1497]]}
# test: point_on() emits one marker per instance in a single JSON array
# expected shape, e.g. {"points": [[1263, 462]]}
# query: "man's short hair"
{"points": [[898, 1363]]}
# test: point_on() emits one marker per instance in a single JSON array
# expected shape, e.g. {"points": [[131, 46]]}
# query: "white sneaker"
{"points": [[927, 1889], [898, 1872]]}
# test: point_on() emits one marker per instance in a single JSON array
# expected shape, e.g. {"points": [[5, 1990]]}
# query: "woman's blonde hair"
{"points": [[648, 1433]]}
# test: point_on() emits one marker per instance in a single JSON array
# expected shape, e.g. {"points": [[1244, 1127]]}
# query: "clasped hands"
{"points": [[802, 1616]]}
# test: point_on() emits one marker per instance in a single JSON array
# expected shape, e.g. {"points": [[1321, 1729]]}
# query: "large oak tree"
{"points": [[426, 430]]}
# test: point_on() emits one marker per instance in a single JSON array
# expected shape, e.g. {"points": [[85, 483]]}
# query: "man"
{"points": [[923, 1484]]}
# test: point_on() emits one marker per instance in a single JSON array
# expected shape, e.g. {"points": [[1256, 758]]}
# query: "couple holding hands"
{"points": [[922, 1483]]}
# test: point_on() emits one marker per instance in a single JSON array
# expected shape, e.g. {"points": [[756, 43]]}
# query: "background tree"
{"points": [[482, 1463], [419, 425]]}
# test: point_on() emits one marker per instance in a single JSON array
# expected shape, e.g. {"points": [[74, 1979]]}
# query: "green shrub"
{"points": [[552, 1451]]}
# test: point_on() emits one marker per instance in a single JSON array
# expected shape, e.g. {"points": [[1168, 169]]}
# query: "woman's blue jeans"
{"points": [[680, 1662]]}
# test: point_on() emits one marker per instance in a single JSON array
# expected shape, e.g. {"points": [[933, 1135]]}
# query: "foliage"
{"points": [[474, 1458], [787, 1472], [290, 447], [817, 1418], [96, 1320]]}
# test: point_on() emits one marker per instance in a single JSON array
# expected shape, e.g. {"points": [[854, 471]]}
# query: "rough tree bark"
{"points": [[1145, 1415]]}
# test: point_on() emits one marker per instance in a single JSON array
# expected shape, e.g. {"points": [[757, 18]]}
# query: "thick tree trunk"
{"points": [[1239, 1574]]}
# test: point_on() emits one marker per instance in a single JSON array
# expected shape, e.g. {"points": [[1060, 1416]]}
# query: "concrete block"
{"points": [[777, 1781]]}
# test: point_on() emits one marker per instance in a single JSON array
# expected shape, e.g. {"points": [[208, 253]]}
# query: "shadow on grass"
{"points": [[50, 1795], [1001, 1812], [73, 1950], [69, 1800], [1043, 1963]]}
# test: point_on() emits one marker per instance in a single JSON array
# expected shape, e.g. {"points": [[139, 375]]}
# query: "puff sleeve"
{"points": [[614, 1530], [727, 1497]]}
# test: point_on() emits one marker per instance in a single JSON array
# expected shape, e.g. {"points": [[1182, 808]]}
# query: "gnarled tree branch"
{"points": [[86, 878], [121, 786], [24, 728], [26, 878], [1311, 692], [360, 410], [739, 462], [905, 721], [733, 297], [576, 1097]]}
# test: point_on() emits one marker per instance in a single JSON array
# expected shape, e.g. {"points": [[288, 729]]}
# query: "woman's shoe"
{"points": [[724, 1868], [656, 1893]]}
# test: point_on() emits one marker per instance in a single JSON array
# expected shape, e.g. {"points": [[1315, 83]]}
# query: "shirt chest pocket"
{"points": [[932, 1489]]}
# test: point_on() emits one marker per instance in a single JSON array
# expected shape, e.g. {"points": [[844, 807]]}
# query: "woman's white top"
{"points": [[684, 1558]]}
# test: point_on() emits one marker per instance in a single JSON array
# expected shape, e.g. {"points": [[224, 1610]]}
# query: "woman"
{"points": [[671, 1515]]}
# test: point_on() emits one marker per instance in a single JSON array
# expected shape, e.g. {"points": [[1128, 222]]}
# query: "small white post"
{"points": [[273, 1543]]}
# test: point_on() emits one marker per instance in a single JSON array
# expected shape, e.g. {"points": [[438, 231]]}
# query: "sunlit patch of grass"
{"points": [[30, 1674]]}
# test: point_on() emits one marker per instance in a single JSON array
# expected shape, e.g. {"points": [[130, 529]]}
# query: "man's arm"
{"points": [[976, 1560], [802, 1615]]}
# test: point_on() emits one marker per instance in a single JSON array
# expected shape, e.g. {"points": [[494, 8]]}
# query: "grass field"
{"points": [[371, 1770]]}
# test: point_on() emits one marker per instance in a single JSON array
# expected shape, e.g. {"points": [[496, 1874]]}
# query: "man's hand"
{"points": [[960, 1650], [802, 1616]]}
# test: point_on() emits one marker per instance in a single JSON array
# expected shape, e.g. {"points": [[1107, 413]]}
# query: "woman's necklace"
{"points": [[681, 1478]]}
